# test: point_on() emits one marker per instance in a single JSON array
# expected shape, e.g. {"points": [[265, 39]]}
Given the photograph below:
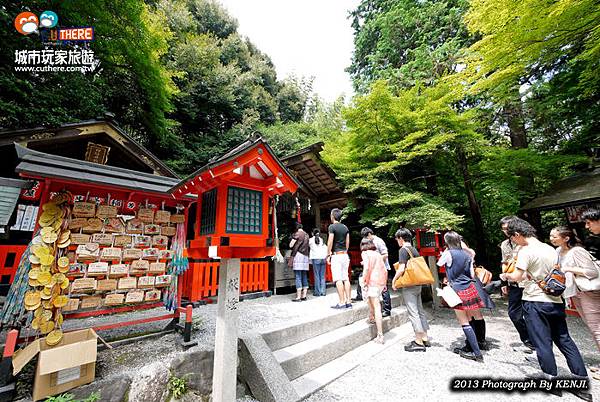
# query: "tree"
{"points": [[227, 88], [548, 50], [292, 98], [388, 136], [407, 41]]}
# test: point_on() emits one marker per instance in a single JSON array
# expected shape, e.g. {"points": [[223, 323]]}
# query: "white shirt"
{"points": [[382, 249], [317, 251], [537, 259]]}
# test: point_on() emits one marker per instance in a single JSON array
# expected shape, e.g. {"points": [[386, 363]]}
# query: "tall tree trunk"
{"points": [[480, 238], [513, 111], [518, 140]]}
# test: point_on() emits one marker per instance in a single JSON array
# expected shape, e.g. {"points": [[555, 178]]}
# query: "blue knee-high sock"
{"points": [[472, 339]]}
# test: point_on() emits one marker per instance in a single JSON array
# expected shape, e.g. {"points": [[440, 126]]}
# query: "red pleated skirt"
{"points": [[470, 299]]}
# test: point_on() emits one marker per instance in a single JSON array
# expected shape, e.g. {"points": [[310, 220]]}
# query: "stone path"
{"points": [[394, 374], [390, 375]]}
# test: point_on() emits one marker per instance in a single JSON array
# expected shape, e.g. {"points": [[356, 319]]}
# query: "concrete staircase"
{"points": [[309, 355]]}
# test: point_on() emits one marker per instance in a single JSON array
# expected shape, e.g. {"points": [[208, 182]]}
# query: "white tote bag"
{"points": [[587, 285], [449, 296]]}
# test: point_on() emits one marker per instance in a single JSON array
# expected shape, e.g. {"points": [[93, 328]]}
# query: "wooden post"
{"points": [[436, 279], [317, 207], [226, 338]]}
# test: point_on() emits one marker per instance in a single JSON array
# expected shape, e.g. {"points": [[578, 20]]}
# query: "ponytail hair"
{"points": [[567, 232], [317, 235]]}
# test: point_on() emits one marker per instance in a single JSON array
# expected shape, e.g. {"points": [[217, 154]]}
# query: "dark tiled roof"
{"points": [[132, 145], [10, 189], [41, 164], [577, 189]]}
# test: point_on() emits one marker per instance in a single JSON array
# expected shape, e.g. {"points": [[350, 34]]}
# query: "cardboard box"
{"points": [[60, 368]]}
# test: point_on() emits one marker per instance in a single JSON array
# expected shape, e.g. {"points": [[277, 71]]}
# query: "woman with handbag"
{"points": [[299, 261], [582, 279], [460, 279], [411, 294], [375, 280]]}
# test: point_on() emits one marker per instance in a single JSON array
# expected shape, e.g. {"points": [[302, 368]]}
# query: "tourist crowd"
{"points": [[537, 279]]}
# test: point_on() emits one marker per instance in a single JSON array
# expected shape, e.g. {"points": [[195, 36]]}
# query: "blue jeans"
{"points": [[301, 279], [319, 274], [547, 324]]}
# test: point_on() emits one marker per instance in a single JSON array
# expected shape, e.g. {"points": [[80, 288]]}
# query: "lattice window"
{"points": [[208, 217], [427, 239], [244, 211]]}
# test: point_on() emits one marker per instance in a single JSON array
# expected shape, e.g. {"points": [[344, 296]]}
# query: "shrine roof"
{"points": [[234, 153], [70, 139], [573, 190], [41, 165], [319, 179]]}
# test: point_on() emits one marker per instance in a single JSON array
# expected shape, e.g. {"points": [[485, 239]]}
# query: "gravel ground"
{"points": [[427, 376], [254, 315], [405, 371]]}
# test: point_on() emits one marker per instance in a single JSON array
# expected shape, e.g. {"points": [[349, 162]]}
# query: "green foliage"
{"points": [[177, 386], [288, 138], [500, 176], [93, 397], [548, 50], [407, 41], [227, 88], [532, 38], [175, 73], [380, 157]]}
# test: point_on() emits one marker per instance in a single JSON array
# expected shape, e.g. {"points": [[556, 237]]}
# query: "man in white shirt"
{"points": [[386, 307], [544, 314]]}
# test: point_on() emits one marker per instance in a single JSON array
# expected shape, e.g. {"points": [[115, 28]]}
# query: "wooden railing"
{"points": [[201, 280]]}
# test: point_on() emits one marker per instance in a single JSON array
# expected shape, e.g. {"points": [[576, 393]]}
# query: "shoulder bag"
{"points": [[554, 283], [588, 285], [416, 272]]}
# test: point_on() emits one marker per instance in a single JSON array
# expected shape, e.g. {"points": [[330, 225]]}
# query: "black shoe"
{"points": [[296, 300], [356, 299], [303, 299], [581, 394], [556, 392], [427, 344], [464, 349], [471, 356], [414, 347], [386, 314]]}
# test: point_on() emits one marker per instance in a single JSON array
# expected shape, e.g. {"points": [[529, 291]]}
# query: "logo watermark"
{"points": [[58, 59]]}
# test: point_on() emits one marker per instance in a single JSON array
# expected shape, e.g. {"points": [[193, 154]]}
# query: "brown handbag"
{"points": [[483, 274], [416, 273]]}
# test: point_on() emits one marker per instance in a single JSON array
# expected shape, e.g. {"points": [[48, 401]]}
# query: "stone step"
{"points": [[305, 356], [320, 377], [288, 335]]}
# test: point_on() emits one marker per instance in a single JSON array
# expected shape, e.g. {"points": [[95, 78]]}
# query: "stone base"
{"points": [[110, 390]]}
